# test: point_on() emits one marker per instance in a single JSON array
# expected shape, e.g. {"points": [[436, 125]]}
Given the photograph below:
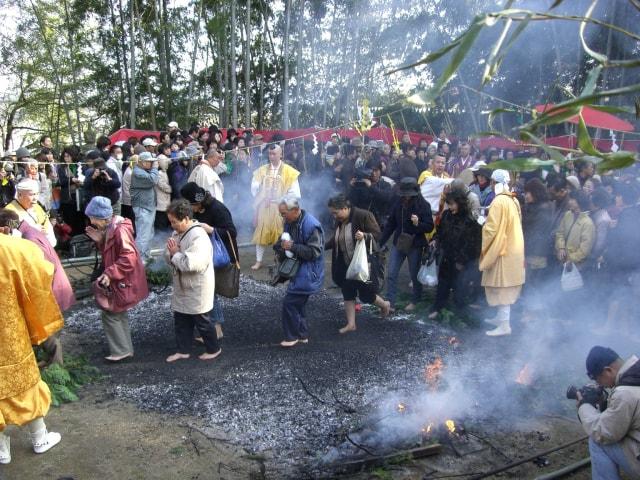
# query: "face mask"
{"points": [[118, 156]]}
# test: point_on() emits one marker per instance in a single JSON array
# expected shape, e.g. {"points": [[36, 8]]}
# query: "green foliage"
{"points": [[158, 275], [64, 381], [382, 473]]}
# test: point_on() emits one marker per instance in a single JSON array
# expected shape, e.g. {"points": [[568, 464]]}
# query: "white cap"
{"points": [[149, 142], [119, 143], [172, 124], [28, 185], [479, 164]]}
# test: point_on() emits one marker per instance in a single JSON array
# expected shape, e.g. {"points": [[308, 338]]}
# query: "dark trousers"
{"points": [[449, 278], [294, 323], [127, 212], [184, 323]]}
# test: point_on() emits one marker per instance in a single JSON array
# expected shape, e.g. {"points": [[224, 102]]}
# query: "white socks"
{"points": [[41, 439], [5, 449], [502, 322], [259, 252]]}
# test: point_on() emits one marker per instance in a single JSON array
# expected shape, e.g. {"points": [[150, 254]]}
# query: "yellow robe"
{"points": [[268, 221], [502, 256], [30, 315]]}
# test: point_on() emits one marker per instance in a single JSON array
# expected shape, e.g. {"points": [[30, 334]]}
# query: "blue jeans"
{"points": [[395, 263], [217, 316], [294, 322], [607, 461], [144, 229]]}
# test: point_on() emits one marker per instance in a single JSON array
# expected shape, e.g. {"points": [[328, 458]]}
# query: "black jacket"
{"points": [[537, 226], [622, 254], [459, 238], [400, 221], [375, 198], [100, 186], [219, 217]]}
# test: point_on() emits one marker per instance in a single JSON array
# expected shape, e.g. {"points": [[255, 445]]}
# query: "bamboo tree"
{"points": [[162, 58], [261, 88], [119, 65], [299, 68], [285, 56], [232, 58], [247, 67], [132, 57], [145, 72], [198, 7]]}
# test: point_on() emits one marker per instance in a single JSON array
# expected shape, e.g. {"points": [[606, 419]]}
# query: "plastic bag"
{"points": [[220, 255], [359, 266], [571, 279], [428, 274]]}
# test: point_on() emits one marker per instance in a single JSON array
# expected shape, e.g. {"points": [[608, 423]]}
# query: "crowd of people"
{"points": [[552, 243]]}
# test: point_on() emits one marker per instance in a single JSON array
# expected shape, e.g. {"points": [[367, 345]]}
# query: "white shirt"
{"points": [[205, 177]]}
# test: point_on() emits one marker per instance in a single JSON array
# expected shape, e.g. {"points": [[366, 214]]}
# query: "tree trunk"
{"points": [[225, 65], [247, 68], [74, 70], [119, 65], [165, 93], [167, 50], [232, 57], [261, 94], [145, 72], [132, 58], [285, 57], [192, 73], [125, 63], [299, 70]]}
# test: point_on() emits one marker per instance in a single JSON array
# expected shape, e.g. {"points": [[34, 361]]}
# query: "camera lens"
{"points": [[572, 393]]}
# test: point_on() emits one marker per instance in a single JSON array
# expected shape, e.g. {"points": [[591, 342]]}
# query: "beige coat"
{"points": [[620, 422], [502, 256], [163, 191], [576, 237], [193, 276]]}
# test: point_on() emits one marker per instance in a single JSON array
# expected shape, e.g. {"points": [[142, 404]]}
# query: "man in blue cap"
{"points": [[614, 434]]}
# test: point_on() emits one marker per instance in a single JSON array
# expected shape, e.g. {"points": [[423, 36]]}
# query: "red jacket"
{"points": [[122, 263]]}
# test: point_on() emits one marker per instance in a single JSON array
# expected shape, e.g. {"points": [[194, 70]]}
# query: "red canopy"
{"points": [[594, 118]]}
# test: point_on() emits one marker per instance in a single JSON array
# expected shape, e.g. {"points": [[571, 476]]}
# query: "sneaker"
{"points": [[289, 343], [303, 340], [501, 330], [46, 441], [5, 450]]}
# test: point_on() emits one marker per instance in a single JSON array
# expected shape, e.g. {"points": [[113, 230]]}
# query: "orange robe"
{"points": [[30, 314]]}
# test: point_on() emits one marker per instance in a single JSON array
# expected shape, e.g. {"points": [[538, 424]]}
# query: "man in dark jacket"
{"points": [[410, 220], [178, 173], [302, 240], [614, 434], [101, 181]]}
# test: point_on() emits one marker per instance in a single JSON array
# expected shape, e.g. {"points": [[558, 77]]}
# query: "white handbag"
{"points": [[571, 279]]}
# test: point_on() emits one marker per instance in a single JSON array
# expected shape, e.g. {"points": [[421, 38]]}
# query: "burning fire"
{"points": [[451, 426], [525, 376], [402, 408], [427, 430], [433, 372]]}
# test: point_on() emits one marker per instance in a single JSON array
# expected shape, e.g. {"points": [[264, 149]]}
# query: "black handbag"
{"points": [[405, 240], [288, 268], [228, 277]]}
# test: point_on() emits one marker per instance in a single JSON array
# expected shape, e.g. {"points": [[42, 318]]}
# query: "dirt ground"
{"points": [[122, 427]]}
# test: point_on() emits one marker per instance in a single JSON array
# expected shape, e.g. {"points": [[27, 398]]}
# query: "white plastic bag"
{"points": [[428, 275], [359, 266], [571, 279]]}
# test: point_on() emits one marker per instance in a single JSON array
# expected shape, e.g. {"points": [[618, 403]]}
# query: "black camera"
{"points": [[592, 394]]}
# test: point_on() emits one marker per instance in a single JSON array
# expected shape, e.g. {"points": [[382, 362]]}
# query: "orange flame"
{"points": [[433, 372], [525, 376], [451, 426]]}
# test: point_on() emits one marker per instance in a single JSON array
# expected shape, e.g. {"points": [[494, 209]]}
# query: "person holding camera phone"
{"points": [[614, 433]]}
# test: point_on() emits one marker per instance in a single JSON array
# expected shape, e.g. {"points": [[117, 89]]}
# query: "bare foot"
{"points": [[433, 315], [219, 331], [199, 340], [410, 308], [210, 356], [386, 310], [347, 329], [256, 266], [177, 356]]}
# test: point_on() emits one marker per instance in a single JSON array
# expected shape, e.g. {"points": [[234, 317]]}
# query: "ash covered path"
{"points": [[253, 392]]}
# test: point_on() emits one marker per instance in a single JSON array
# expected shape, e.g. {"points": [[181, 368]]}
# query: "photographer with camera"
{"points": [[614, 432]]}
